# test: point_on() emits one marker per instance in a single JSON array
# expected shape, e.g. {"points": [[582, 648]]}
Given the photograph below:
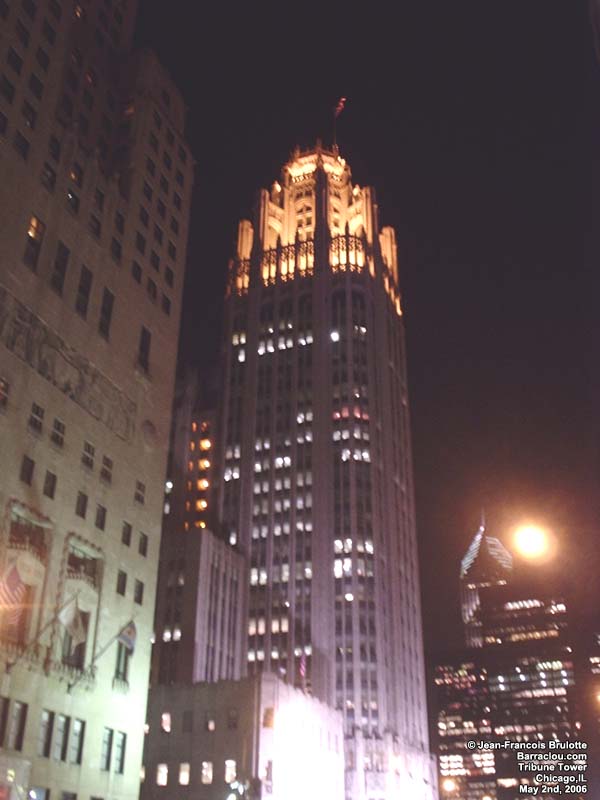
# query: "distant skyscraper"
{"points": [[486, 563], [517, 681], [315, 466], [199, 629], [95, 188]]}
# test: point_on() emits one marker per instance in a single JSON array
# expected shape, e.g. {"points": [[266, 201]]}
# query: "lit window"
{"points": [[211, 725], [203, 484], [204, 463], [162, 774], [184, 774], [230, 770], [207, 772], [205, 444], [201, 505]]}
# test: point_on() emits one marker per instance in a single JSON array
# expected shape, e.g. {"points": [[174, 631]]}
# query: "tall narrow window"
{"points": [[61, 738], [27, 466], [106, 311], [4, 392], [59, 272], [77, 737], [33, 242], [120, 744], [144, 349], [16, 728], [45, 735], [83, 291], [106, 752], [122, 665], [36, 418]]}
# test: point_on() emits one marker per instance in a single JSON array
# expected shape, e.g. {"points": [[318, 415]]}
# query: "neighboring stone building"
{"points": [[315, 470], [208, 740], [95, 190]]}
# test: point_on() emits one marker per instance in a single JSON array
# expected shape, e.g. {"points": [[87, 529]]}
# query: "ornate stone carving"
{"points": [[29, 338]]}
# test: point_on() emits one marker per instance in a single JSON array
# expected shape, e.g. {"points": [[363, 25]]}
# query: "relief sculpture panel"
{"points": [[29, 338]]}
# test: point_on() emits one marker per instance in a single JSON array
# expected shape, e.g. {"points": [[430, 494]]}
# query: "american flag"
{"points": [[340, 107], [128, 635], [12, 594], [302, 667]]}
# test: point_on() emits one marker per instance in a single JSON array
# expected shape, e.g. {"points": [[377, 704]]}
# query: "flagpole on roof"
{"points": [[51, 621], [101, 653]]}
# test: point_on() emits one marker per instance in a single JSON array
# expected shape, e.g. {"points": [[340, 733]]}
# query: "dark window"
{"points": [[179, 177], [88, 455], [147, 189], [126, 534], [48, 177], [140, 493], [81, 505], [55, 9], [138, 592], [59, 272], [30, 114], [29, 8], [50, 484], [153, 142], [167, 161], [49, 32], [106, 469], [143, 545], [120, 222], [120, 744], [77, 738], [177, 201], [106, 752], [54, 148], [99, 199], [16, 728], [172, 251], [122, 665], [106, 311], [164, 184], [121, 582], [151, 288], [27, 467], [83, 291], [61, 738], [21, 145], [57, 436], [158, 234], [36, 418], [3, 9], [169, 276], [182, 154], [155, 260], [161, 208], [33, 243], [136, 271], [22, 33], [3, 123], [100, 517], [140, 243], [95, 226], [4, 392], [36, 86], [157, 120], [144, 216], [14, 60], [116, 250], [144, 349], [42, 59], [150, 166], [174, 225], [166, 304], [7, 90]]}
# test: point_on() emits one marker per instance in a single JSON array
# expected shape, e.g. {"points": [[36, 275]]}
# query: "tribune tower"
{"points": [[315, 466]]}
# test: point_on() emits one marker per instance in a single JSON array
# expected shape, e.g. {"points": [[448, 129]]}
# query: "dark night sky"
{"points": [[478, 125]]}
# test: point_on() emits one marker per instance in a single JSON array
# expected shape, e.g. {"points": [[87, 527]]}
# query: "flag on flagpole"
{"points": [[71, 619], [128, 635], [12, 594], [339, 107], [302, 668]]}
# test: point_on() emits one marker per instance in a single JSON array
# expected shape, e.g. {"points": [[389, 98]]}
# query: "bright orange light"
{"points": [[201, 505], [449, 785], [205, 444], [202, 484], [531, 542], [204, 463]]}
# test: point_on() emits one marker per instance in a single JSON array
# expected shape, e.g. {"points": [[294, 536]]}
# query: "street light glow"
{"points": [[531, 542], [449, 785]]}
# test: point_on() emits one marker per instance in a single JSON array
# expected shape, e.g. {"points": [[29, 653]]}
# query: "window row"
{"points": [[206, 773]]}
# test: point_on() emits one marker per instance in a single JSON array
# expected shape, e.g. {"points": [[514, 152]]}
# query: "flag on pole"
{"points": [[12, 594], [340, 107], [128, 635], [302, 667], [71, 619]]}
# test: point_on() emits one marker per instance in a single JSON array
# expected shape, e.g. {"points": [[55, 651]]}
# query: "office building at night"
{"points": [[256, 737], [518, 683], [94, 200], [315, 473], [202, 580]]}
